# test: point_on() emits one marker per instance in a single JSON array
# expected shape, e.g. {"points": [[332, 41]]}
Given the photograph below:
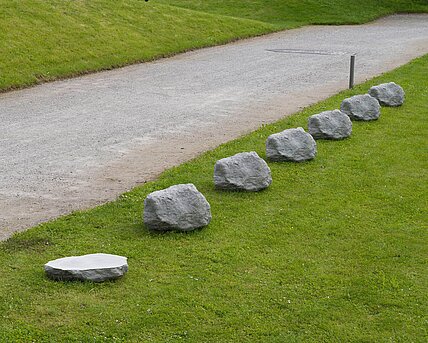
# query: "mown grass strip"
{"points": [[51, 39], [334, 251]]}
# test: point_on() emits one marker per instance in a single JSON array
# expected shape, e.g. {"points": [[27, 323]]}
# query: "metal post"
{"points": [[351, 72]]}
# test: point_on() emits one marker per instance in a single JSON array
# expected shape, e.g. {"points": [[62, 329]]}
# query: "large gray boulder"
{"points": [[291, 145], [361, 107], [93, 267], [243, 171], [179, 207], [330, 125], [388, 94]]}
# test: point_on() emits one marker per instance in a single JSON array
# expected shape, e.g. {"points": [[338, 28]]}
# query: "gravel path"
{"points": [[73, 144]]}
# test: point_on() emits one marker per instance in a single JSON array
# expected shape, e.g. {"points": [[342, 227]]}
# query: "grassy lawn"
{"points": [[44, 40], [334, 251]]}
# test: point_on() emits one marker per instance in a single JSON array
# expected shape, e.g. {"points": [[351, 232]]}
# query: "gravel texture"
{"points": [[76, 143]]}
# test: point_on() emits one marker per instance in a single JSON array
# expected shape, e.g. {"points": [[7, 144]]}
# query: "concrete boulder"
{"points": [[291, 145], [243, 171], [179, 207], [388, 94], [92, 267], [330, 125], [361, 107]]}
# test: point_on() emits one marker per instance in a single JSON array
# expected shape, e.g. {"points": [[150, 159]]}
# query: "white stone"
{"points": [[92, 267], [291, 145]]}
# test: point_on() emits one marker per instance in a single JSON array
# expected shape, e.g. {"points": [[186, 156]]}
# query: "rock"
{"points": [[330, 125], [291, 145], [361, 107], [179, 207], [388, 94], [93, 267], [243, 171]]}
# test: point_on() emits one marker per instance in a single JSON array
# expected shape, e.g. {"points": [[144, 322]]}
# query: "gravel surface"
{"points": [[76, 143]]}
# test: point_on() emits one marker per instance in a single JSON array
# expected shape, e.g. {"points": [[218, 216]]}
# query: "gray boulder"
{"points": [[361, 107], [388, 94], [330, 125], [243, 171], [291, 145], [179, 207], [93, 267]]}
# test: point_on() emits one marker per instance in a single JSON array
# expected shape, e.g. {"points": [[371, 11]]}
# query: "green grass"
{"points": [[42, 40], [289, 13], [334, 251]]}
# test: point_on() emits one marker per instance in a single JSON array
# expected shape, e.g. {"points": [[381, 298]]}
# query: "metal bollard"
{"points": [[351, 72]]}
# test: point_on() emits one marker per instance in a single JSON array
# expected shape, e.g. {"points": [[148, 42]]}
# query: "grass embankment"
{"points": [[50, 39], [291, 13], [44, 40], [334, 251]]}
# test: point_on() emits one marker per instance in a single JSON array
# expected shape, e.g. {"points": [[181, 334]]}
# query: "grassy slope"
{"points": [[43, 40], [334, 251], [46, 39], [284, 13]]}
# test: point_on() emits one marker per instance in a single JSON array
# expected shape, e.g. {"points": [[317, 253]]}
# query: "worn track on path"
{"points": [[73, 144]]}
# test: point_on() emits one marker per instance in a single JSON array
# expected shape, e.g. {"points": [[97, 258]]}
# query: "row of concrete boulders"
{"points": [[296, 145], [337, 124], [183, 208], [367, 107]]}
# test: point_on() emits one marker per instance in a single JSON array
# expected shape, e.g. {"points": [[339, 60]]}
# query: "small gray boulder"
{"points": [[388, 94], [92, 267], [243, 171], [291, 145], [330, 125], [361, 107], [179, 207]]}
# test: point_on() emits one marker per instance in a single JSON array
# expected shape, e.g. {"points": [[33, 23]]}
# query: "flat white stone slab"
{"points": [[92, 267]]}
